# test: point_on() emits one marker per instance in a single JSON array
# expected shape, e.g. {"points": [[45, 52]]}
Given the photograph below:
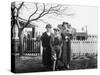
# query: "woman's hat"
{"points": [[64, 23], [48, 26]]}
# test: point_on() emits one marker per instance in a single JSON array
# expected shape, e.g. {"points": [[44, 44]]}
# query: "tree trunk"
{"points": [[21, 51]]}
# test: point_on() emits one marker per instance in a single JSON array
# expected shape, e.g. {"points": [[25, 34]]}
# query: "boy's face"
{"points": [[56, 32]]}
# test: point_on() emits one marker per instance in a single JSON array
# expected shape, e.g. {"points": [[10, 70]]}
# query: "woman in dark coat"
{"points": [[46, 56], [66, 49]]}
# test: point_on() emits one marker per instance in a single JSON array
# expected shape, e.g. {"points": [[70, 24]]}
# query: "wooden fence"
{"points": [[79, 47], [82, 47], [30, 47]]}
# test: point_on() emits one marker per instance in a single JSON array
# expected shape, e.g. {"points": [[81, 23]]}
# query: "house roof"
{"points": [[30, 25], [81, 34]]}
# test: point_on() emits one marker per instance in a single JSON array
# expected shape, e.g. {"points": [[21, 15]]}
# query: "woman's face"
{"points": [[48, 29]]}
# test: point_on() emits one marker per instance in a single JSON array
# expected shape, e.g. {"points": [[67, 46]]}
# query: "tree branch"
{"points": [[40, 13], [20, 6], [51, 9], [42, 21], [33, 14], [34, 11], [44, 12], [22, 19], [18, 9]]}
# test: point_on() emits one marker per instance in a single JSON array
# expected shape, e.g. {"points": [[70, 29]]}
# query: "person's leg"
{"points": [[54, 59], [49, 59], [44, 57], [62, 58], [68, 55], [57, 54], [58, 57]]}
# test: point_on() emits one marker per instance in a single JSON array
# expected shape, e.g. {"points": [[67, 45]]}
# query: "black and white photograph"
{"points": [[53, 37]]}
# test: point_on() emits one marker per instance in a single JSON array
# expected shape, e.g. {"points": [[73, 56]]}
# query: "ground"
{"points": [[34, 64]]}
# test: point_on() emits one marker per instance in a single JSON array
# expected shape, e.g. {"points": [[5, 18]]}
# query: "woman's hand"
{"points": [[66, 37]]}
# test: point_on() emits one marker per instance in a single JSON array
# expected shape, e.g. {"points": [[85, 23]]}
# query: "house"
{"points": [[80, 36], [30, 29]]}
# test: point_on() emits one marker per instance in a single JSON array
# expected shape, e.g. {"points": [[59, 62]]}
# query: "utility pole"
{"points": [[86, 28]]}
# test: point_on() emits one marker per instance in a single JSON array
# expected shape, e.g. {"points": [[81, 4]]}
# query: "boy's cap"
{"points": [[64, 23], [56, 29]]}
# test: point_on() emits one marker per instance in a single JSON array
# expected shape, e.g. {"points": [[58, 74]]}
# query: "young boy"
{"points": [[56, 46]]}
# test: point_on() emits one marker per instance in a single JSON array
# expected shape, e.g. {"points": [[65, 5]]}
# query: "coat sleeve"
{"points": [[63, 37], [61, 41], [71, 36], [51, 41], [43, 39]]}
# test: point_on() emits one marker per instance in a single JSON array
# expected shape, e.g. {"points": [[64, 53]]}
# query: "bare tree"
{"points": [[37, 15], [15, 21]]}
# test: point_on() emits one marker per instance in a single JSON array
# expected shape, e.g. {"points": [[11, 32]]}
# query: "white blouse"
{"points": [[48, 33]]}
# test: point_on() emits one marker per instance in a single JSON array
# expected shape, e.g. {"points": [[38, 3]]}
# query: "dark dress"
{"points": [[46, 56], [66, 49]]}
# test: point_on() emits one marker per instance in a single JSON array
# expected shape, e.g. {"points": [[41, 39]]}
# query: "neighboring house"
{"points": [[29, 29], [28, 32], [80, 36]]}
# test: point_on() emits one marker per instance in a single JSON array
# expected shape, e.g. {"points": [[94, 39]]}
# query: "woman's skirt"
{"points": [[46, 57], [66, 52]]}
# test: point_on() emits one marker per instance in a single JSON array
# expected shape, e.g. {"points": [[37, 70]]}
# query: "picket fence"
{"points": [[81, 47]]}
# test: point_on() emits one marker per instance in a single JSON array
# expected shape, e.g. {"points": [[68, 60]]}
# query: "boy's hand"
{"points": [[54, 58]]}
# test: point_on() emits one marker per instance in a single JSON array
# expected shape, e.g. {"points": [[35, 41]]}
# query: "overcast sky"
{"points": [[83, 15]]}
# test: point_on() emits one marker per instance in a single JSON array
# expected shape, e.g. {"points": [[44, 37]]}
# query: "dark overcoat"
{"points": [[46, 56]]}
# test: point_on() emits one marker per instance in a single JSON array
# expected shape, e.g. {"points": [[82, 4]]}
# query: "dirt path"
{"points": [[34, 64]]}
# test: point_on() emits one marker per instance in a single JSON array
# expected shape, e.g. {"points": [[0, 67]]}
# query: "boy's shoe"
{"points": [[68, 66]]}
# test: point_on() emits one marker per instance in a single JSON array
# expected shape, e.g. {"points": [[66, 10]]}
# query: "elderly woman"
{"points": [[46, 57], [66, 49]]}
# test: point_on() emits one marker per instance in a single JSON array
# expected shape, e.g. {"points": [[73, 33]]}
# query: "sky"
{"points": [[83, 16]]}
